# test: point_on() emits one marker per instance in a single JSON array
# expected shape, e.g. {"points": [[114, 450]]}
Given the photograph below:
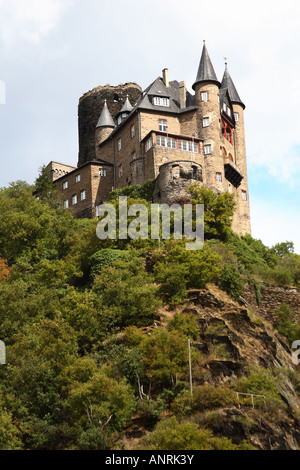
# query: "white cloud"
{"points": [[29, 21]]}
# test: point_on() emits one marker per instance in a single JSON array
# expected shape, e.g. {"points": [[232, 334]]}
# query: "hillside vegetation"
{"points": [[97, 333]]}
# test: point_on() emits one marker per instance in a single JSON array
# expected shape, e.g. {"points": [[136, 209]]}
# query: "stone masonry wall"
{"points": [[89, 110]]}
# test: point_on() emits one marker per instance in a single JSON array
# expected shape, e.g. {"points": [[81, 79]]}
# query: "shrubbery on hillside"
{"points": [[78, 317]]}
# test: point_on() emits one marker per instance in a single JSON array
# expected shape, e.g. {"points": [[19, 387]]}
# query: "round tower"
{"points": [[89, 108], [241, 221], [105, 125], [207, 100]]}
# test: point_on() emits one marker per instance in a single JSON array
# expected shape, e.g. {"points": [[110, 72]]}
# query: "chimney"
{"points": [[182, 94], [166, 77]]}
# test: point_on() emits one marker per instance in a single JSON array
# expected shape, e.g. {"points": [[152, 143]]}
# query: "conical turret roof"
{"points": [[228, 83], [105, 119], [127, 107], [206, 72]]}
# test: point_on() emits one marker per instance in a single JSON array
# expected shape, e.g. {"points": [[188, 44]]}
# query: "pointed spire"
{"points": [[105, 119], [127, 108], [228, 83], [206, 71]]}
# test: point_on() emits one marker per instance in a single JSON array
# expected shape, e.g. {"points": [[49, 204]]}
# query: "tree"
{"points": [[218, 210]]}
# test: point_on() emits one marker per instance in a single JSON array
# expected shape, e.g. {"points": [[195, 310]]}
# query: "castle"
{"points": [[127, 136]]}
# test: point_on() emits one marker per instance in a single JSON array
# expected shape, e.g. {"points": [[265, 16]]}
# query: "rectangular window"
{"points": [[236, 117], [160, 101], [132, 131], [119, 144], [163, 125], [82, 195], [228, 111], [77, 178], [244, 195], [102, 172], [207, 149], [224, 107], [148, 144], [219, 177], [74, 199], [120, 171], [162, 141], [66, 203], [65, 185], [204, 96], [205, 121], [133, 156]]}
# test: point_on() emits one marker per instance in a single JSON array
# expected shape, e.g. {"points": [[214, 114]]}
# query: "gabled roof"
{"points": [[158, 88], [229, 85], [105, 119], [206, 72]]}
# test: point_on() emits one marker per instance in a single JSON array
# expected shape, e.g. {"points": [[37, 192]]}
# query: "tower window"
{"points": [[219, 177], [244, 195], [236, 117], [205, 121], [207, 149], [163, 126], [204, 96]]}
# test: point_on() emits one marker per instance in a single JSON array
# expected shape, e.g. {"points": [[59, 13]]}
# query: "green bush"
{"points": [[205, 397], [104, 258], [231, 281], [174, 435], [285, 325]]}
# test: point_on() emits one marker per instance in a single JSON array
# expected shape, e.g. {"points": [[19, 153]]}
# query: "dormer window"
{"points": [[122, 117], [160, 101]]}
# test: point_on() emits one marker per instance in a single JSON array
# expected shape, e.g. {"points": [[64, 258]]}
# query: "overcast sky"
{"points": [[53, 51]]}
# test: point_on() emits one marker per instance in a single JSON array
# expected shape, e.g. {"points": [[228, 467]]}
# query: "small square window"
{"points": [[207, 149], [205, 121], [74, 199], [82, 195], [65, 185], [77, 178]]}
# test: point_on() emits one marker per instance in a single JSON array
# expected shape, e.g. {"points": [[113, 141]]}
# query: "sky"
{"points": [[53, 51]]}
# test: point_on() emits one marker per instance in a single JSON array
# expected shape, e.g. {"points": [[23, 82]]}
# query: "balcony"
{"points": [[232, 172]]}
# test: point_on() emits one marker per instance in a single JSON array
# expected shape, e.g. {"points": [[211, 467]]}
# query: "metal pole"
{"points": [[190, 366]]}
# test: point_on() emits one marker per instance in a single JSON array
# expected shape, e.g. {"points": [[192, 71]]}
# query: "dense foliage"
{"points": [[79, 318]]}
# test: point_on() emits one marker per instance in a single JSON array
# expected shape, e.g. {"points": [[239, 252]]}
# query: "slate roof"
{"points": [[105, 119], [206, 71], [127, 107], [229, 85]]}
